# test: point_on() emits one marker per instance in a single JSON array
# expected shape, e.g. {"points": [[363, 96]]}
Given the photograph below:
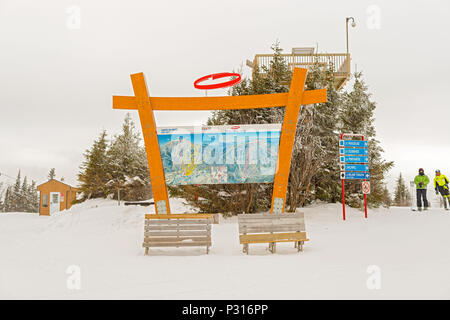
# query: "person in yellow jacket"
{"points": [[441, 186]]}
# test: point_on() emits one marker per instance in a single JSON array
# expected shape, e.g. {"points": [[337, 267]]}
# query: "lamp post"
{"points": [[346, 27]]}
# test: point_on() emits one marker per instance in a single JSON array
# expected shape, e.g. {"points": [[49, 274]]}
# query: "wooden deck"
{"points": [[339, 62]]}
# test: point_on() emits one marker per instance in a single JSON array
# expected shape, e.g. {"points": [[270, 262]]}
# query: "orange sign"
{"points": [[291, 100]]}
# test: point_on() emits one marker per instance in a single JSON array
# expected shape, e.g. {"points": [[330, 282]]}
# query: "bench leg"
{"points": [[295, 244], [274, 247], [146, 251], [245, 248], [300, 246], [207, 250]]}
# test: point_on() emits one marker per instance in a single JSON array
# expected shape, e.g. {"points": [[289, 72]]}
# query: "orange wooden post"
{"points": [[148, 125], [287, 139]]}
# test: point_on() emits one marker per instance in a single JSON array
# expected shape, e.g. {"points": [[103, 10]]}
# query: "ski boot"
{"points": [[425, 208], [419, 208]]}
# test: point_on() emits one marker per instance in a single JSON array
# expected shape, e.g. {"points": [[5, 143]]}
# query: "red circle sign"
{"points": [[215, 76], [366, 187]]}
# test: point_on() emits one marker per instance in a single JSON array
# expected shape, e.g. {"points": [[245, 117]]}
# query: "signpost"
{"points": [[354, 163]]}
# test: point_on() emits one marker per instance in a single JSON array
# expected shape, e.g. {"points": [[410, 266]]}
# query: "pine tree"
{"points": [[127, 164], [401, 197], [8, 201], [51, 174], [33, 199], [387, 200], [93, 170], [314, 167], [24, 192], [16, 197], [357, 116]]}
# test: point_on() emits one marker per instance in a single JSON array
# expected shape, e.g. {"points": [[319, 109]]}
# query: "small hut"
{"points": [[55, 196]]}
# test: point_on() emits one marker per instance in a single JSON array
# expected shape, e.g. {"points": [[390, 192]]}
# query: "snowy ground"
{"points": [[104, 240]]}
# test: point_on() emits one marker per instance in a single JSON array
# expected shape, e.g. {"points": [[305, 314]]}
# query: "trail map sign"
{"points": [[292, 101], [354, 163], [219, 154]]}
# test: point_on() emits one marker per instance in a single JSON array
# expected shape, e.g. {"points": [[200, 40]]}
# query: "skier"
{"points": [[441, 186], [421, 181]]}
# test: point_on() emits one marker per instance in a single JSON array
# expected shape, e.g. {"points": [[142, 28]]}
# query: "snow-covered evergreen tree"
{"points": [[401, 197], [122, 163], [387, 200], [93, 171], [16, 197], [33, 199], [7, 200], [314, 167], [24, 193], [127, 163]]}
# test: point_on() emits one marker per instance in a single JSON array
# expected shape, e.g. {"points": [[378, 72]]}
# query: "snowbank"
{"points": [[104, 240]]}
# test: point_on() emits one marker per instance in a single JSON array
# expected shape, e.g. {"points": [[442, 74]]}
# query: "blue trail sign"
{"points": [[355, 175], [354, 143], [354, 151], [354, 167], [354, 159]]}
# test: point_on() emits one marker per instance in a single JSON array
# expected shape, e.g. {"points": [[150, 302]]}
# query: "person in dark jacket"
{"points": [[421, 181]]}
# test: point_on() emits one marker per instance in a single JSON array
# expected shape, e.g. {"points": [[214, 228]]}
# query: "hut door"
{"points": [[54, 202]]}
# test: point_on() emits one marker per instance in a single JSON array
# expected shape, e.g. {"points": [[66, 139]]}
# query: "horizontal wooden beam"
{"points": [[220, 103]]}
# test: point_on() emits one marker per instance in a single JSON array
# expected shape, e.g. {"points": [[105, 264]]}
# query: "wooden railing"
{"points": [[338, 62]]}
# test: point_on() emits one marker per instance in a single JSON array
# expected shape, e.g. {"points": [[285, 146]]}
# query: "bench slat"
{"points": [[176, 221], [270, 241], [181, 233], [179, 227], [272, 222], [293, 236], [273, 228], [177, 244], [299, 215], [178, 239]]}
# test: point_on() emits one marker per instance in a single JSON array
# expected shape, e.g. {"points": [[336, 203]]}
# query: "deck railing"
{"points": [[338, 62]]}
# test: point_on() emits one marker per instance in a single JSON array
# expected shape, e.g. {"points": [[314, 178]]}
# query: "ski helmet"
{"points": [[438, 171], [421, 170]]}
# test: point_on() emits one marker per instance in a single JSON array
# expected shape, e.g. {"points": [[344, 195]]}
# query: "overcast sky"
{"points": [[57, 77]]}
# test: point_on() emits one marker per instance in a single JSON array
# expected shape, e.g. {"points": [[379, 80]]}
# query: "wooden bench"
{"points": [[272, 228], [177, 230]]}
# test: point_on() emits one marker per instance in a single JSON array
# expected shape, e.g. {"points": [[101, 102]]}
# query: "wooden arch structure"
{"points": [[292, 100]]}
